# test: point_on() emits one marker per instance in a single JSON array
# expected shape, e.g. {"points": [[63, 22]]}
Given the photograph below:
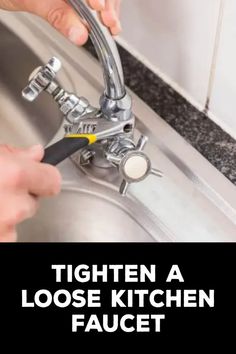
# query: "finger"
{"points": [[97, 5], [115, 30], [62, 17], [41, 180], [35, 152], [117, 7], [18, 207], [8, 235], [110, 18]]}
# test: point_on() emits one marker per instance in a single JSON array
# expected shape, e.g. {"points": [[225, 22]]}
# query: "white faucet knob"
{"points": [[134, 165]]}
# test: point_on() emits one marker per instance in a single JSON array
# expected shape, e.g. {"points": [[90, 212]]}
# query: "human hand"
{"points": [[23, 180], [61, 16]]}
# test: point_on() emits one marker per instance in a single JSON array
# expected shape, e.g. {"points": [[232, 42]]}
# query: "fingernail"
{"points": [[75, 35], [115, 30], [102, 3]]}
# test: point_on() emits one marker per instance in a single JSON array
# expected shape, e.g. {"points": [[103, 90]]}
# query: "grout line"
{"points": [[215, 54]]}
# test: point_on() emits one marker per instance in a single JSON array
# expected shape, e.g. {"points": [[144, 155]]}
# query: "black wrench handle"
{"points": [[66, 147]]}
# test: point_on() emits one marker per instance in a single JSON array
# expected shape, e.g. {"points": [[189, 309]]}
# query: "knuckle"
{"points": [[55, 180], [94, 4], [14, 173], [16, 176], [23, 212], [108, 19], [17, 216], [56, 16]]}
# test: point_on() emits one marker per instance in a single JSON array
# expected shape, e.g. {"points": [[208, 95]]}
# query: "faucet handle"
{"points": [[40, 79], [134, 165]]}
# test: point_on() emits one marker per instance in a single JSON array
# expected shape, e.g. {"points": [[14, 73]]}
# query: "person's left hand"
{"points": [[61, 16]]}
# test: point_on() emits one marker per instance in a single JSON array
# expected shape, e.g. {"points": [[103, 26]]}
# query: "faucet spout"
{"points": [[106, 50]]}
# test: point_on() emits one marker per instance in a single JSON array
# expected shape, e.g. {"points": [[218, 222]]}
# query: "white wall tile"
{"points": [[223, 100], [177, 37]]}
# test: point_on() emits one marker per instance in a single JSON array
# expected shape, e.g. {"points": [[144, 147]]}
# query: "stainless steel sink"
{"points": [[193, 202], [82, 215], [22, 124]]}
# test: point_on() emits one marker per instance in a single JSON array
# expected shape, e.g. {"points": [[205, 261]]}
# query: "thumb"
{"points": [[35, 152], [62, 17]]}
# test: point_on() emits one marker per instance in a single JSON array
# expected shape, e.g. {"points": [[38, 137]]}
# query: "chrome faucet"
{"points": [[106, 51], [115, 103], [114, 121]]}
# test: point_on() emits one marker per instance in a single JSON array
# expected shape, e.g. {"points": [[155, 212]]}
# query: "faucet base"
{"points": [[116, 110]]}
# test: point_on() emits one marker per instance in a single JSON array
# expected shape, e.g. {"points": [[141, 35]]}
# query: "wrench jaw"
{"points": [[106, 131], [103, 128]]}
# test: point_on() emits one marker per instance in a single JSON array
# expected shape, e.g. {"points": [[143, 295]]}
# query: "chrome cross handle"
{"points": [[41, 79], [133, 164]]}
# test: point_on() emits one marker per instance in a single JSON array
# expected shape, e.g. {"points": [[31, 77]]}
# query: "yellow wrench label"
{"points": [[91, 137]]}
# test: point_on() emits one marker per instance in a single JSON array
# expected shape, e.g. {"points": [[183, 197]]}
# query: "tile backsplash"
{"points": [[185, 42], [223, 98]]}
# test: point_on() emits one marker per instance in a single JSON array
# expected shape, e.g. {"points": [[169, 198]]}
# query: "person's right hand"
{"points": [[23, 179]]}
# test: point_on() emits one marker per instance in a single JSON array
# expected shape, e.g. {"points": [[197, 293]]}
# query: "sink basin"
{"points": [[78, 215], [193, 202], [21, 123], [88, 211]]}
